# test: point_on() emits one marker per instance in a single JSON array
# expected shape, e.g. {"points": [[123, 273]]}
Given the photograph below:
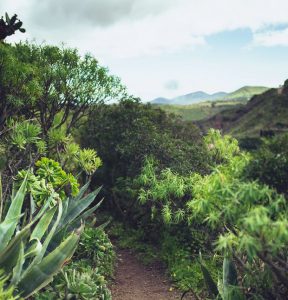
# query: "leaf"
{"points": [[7, 18], [49, 237], [9, 256], [19, 266], [43, 224], [77, 206], [41, 274], [211, 285], [8, 226]]}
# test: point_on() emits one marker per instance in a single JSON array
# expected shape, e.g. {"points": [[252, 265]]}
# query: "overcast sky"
{"points": [[168, 47]]}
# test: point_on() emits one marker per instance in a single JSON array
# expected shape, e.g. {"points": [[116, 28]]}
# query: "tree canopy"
{"points": [[40, 82]]}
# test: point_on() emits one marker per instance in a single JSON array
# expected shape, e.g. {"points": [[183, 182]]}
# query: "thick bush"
{"points": [[124, 134], [270, 164], [87, 276]]}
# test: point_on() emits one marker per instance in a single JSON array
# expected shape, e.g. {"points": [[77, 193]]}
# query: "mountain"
{"points": [[197, 97], [160, 100], [264, 114], [244, 93]]}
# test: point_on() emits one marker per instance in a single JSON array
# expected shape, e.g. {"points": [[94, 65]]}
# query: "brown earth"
{"points": [[135, 281]]}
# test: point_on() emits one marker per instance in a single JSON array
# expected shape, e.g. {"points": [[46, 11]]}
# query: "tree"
{"points": [[124, 134], [42, 82]]}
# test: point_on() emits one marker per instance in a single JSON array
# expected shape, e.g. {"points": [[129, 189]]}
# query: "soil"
{"points": [[135, 281]]}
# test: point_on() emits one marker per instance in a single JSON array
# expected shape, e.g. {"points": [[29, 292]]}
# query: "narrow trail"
{"points": [[135, 281]]}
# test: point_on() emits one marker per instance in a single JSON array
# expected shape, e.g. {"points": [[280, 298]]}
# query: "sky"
{"points": [[167, 47]]}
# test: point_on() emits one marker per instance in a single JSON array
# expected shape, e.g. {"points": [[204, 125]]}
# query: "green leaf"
{"points": [[211, 285], [49, 237], [9, 256], [19, 266], [43, 224], [7, 18], [77, 207], [41, 274], [8, 226]]}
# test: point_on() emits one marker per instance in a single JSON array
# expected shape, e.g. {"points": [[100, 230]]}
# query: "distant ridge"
{"points": [[245, 93], [266, 113]]}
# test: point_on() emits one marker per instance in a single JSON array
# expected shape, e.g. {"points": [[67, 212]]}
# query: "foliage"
{"points": [[270, 164], [245, 218], [228, 288], [78, 281], [250, 218], [44, 241], [168, 192], [165, 192], [181, 258], [6, 293], [41, 81], [9, 26], [50, 181], [23, 146], [89, 161], [124, 134], [96, 247], [86, 277]]}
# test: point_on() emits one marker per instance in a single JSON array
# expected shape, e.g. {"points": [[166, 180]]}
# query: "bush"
{"points": [[44, 240], [86, 277], [96, 248], [270, 164], [124, 134], [77, 281]]}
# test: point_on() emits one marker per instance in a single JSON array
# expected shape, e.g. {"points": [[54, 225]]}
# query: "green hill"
{"points": [[264, 114], [199, 111], [204, 110], [246, 92], [242, 94]]}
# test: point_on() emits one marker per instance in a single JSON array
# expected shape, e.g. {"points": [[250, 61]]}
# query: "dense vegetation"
{"points": [[209, 210], [263, 115]]}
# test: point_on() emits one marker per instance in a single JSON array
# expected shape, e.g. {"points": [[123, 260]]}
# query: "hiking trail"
{"points": [[135, 281]]}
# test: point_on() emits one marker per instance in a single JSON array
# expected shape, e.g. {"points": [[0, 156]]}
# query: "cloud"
{"points": [[55, 13], [271, 38], [137, 28], [172, 85]]}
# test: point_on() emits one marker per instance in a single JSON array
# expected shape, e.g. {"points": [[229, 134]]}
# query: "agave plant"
{"points": [[31, 254], [227, 288]]}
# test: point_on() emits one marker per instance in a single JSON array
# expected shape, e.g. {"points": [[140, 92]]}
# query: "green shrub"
{"points": [[96, 248], [183, 263], [270, 164], [44, 241], [86, 277], [77, 281]]}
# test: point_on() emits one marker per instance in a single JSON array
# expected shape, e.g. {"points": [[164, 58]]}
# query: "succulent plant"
{"points": [[9, 26]]}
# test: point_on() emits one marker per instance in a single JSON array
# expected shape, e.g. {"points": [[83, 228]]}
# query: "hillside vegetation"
{"points": [[242, 94], [209, 211], [199, 111], [265, 114]]}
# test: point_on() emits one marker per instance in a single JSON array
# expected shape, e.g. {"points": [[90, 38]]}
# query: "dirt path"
{"points": [[134, 281]]}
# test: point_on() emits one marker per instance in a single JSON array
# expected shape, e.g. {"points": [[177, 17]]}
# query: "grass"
{"points": [[199, 111]]}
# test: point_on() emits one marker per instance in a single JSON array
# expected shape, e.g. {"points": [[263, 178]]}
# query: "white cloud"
{"points": [[131, 28], [271, 38], [148, 42]]}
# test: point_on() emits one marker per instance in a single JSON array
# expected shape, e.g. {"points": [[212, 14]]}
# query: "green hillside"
{"points": [[207, 109], [199, 111], [263, 114], [246, 92]]}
